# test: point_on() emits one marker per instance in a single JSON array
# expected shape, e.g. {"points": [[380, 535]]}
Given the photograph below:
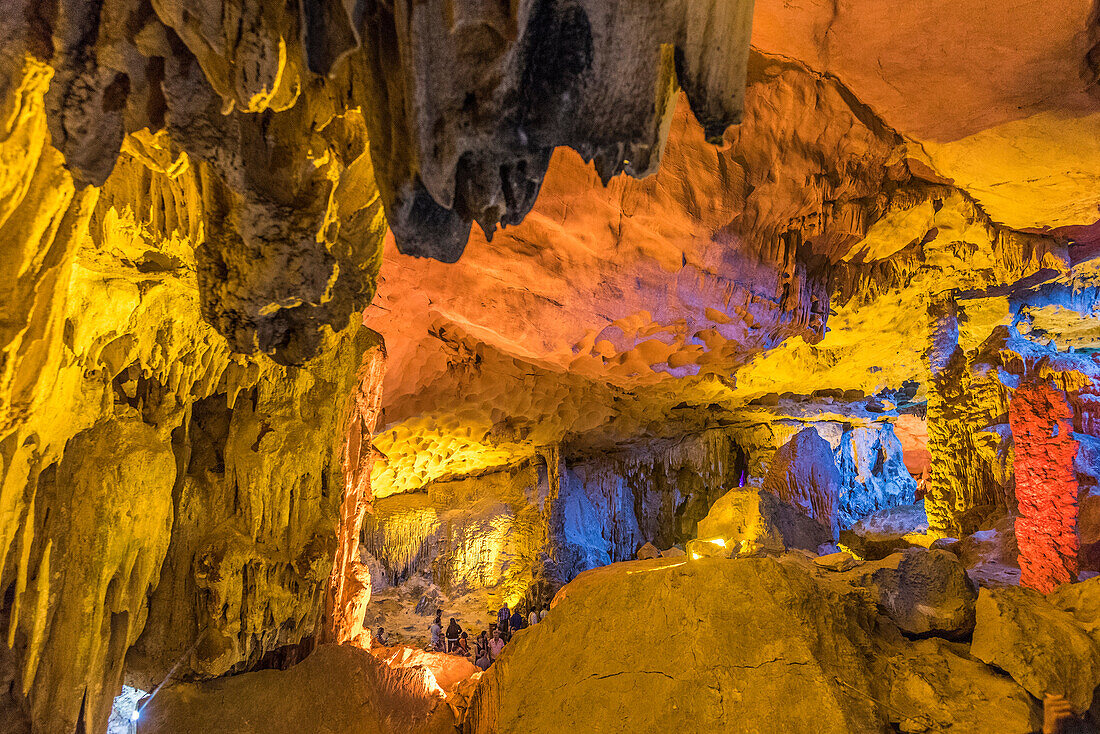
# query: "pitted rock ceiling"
{"points": [[659, 306]]}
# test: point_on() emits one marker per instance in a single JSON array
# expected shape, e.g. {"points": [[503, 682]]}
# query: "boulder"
{"points": [[660, 646], [803, 472], [935, 686], [991, 555], [749, 517], [1043, 647], [947, 544], [647, 551], [928, 594], [338, 689], [887, 531], [839, 561], [1082, 600], [753, 645]]}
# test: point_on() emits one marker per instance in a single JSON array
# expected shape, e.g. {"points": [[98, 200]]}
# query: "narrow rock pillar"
{"points": [[349, 585], [1046, 485]]}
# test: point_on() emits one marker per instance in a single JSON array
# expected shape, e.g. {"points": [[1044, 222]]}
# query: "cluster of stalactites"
{"points": [[277, 101]]}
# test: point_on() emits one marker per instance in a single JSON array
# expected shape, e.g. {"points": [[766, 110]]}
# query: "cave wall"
{"points": [[157, 489], [528, 530], [1012, 422]]}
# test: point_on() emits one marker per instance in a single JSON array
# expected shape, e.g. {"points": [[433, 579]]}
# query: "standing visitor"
{"points": [[453, 633], [532, 618], [437, 632], [516, 623], [463, 648], [380, 638], [496, 645], [481, 645], [502, 619], [543, 613], [483, 660]]}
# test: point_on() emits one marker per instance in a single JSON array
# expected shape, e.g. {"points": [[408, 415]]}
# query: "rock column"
{"points": [[1046, 485]]}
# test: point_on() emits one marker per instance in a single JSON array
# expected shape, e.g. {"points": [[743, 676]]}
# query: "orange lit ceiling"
{"points": [[888, 151]]}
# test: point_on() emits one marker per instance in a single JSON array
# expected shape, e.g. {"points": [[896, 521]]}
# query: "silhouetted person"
{"points": [[453, 633], [463, 647], [516, 623], [481, 645], [502, 620], [380, 638]]}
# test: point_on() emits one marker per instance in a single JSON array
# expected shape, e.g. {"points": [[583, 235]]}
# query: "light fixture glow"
{"points": [[135, 715]]}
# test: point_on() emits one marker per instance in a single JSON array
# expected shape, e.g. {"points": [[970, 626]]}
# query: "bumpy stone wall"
{"points": [[528, 530], [157, 489]]}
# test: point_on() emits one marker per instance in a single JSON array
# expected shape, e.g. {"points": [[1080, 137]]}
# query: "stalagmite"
{"points": [[1046, 488]]}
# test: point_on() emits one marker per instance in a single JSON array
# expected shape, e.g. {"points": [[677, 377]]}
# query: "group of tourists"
{"points": [[489, 644]]}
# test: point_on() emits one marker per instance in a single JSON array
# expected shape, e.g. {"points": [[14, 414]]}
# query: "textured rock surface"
{"points": [[939, 687], [455, 148], [338, 689], [731, 668], [155, 486], [804, 474], [761, 632], [184, 183], [1044, 648], [1046, 485], [873, 472], [750, 518], [535, 526], [928, 594], [887, 531]]}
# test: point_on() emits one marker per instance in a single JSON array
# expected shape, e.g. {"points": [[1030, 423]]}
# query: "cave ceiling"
{"points": [[658, 248], [888, 152]]}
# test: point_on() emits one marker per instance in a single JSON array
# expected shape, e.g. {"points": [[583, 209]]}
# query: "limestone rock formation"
{"points": [[762, 632], [732, 608], [965, 694], [1044, 648], [1046, 485], [874, 476], [339, 689], [804, 474], [455, 148], [158, 489], [896, 248], [290, 109], [751, 518], [887, 531], [928, 594]]}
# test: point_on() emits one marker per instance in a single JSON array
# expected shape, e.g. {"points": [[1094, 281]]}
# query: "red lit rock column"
{"points": [[1046, 485], [349, 586]]}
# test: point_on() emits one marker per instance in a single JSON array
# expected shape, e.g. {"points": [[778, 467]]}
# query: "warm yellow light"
{"points": [[850, 552], [718, 541], [695, 556]]}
